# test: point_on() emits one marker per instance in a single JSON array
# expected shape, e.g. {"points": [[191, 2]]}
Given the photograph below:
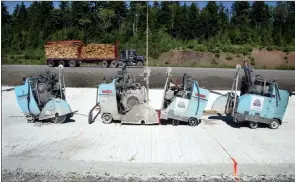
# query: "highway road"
{"points": [[211, 78]]}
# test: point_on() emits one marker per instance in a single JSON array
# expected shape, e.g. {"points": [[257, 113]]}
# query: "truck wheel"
{"points": [[114, 64], [63, 63], [139, 64], [51, 63], [104, 64], [72, 63]]}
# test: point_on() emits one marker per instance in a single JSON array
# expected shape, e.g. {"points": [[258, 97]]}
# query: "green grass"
{"points": [[24, 62], [30, 57]]}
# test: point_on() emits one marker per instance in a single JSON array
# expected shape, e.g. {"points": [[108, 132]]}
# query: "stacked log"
{"points": [[61, 50], [99, 51]]}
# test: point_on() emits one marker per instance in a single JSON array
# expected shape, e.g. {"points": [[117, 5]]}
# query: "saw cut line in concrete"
{"points": [[235, 163]]}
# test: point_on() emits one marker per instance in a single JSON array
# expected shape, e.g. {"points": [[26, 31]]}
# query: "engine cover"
{"points": [[131, 97]]}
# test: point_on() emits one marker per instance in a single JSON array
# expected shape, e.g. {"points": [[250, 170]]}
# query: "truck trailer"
{"points": [[73, 53]]}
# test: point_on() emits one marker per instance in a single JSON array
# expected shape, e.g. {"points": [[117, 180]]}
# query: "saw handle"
{"points": [[90, 116]]}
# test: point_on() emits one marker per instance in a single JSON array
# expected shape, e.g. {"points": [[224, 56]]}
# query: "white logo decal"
{"points": [[257, 103], [181, 104]]}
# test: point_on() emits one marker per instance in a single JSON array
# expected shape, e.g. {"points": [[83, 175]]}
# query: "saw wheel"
{"points": [[59, 119], [30, 118]]}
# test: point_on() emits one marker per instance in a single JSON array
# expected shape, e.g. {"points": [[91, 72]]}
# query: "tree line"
{"points": [[171, 25]]}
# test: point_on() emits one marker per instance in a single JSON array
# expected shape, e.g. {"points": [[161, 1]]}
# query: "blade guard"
{"points": [[141, 113], [55, 107], [22, 93], [219, 105]]}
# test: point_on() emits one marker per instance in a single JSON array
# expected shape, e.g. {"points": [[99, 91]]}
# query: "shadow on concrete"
{"points": [[40, 123], [117, 121], [227, 119], [69, 121]]}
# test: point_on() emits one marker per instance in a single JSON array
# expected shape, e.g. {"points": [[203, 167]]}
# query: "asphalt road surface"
{"points": [[210, 78]]}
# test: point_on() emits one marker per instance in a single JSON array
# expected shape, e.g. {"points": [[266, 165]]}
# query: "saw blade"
{"points": [[59, 119]]}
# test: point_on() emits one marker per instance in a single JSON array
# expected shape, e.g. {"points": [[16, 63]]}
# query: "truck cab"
{"points": [[131, 58]]}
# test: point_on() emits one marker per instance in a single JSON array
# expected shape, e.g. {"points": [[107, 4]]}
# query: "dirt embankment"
{"points": [[260, 58]]}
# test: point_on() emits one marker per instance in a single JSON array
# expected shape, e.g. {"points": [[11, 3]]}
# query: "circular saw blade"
{"points": [[59, 119]]}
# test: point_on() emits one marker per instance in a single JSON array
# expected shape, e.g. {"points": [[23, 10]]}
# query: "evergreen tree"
{"points": [[280, 18], [240, 31], [193, 19], [165, 15], [290, 24], [6, 29], [171, 24]]}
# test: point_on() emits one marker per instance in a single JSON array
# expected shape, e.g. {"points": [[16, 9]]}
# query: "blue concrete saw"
{"points": [[260, 100], [125, 100], [183, 101], [43, 98]]}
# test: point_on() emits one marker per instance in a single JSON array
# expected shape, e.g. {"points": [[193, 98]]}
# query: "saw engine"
{"points": [[46, 87], [128, 92], [176, 89]]}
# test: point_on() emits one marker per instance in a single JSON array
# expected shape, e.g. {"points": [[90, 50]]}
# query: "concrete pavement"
{"points": [[212, 148]]}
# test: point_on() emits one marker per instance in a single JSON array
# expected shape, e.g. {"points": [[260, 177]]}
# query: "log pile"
{"points": [[61, 50], [99, 51]]}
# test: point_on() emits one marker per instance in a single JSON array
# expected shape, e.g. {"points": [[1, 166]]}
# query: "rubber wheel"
{"points": [[253, 125], [107, 118], [31, 119], [62, 63], [51, 63], [104, 64], [274, 124], [139, 64], [72, 63], [175, 122], [193, 122], [114, 64]]}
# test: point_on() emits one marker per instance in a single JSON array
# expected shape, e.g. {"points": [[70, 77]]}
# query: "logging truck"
{"points": [[73, 53]]}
